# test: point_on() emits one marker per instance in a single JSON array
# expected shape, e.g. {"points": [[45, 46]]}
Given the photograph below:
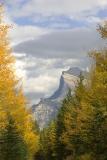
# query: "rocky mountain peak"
{"points": [[47, 108]]}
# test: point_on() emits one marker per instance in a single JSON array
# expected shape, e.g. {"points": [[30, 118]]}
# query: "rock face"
{"points": [[47, 109]]}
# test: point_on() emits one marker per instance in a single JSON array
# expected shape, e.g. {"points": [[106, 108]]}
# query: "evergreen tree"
{"points": [[79, 132], [94, 108], [12, 146], [68, 124], [60, 127], [48, 141], [97, 100]]}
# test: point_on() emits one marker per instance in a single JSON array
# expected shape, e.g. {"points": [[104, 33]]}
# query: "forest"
{"points": [[79, 131]]}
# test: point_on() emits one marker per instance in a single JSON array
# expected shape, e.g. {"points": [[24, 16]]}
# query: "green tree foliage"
{"points": [[48, 142], [97, 100], [68, 124], [80, 129], [12, 146]]}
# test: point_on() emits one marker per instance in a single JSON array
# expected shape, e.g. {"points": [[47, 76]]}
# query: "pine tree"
{"points": [[97, 98], [48, 141], [60, 127], [80, 130], [94, 109], [70, 133], [12, 146]]}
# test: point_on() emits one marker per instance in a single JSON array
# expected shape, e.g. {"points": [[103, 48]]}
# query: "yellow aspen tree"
{"points": [[103, 30], [12, 100]]}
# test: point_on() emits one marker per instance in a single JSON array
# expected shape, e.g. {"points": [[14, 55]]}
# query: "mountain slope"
{"points": [[47, 109]]}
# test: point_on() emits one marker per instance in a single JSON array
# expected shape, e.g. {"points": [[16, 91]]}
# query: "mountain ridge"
{"points": [[46, 110]]}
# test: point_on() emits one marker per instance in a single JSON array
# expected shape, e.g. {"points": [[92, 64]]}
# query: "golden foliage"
{"points": [[12, 100], [103, 29]]}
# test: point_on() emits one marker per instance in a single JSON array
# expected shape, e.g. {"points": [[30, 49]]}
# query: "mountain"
{"points": [[47, 108]]}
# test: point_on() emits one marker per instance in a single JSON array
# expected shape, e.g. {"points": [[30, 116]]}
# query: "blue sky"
{"points": [[48, 21], [49, 36], [44, 14], [62, 22]]}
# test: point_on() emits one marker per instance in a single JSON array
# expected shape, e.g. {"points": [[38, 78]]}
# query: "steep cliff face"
{"points": [[47, 109]]}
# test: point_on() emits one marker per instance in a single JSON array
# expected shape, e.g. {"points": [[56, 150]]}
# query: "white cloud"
{"points": [[40, 77], [72, 43], [43, 59], [42, 83], [22, 33], [51, 51], [57, 7]]}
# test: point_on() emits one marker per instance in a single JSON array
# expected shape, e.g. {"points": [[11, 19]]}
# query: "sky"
{"points": [[49, 36]]}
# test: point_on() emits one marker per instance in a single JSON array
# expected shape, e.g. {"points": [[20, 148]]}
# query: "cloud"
{"points": [[74, 43], [55, 7], [23, 33], [40, 77], [19, 33], [55, 13], [43, 53], [42, 59]]}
